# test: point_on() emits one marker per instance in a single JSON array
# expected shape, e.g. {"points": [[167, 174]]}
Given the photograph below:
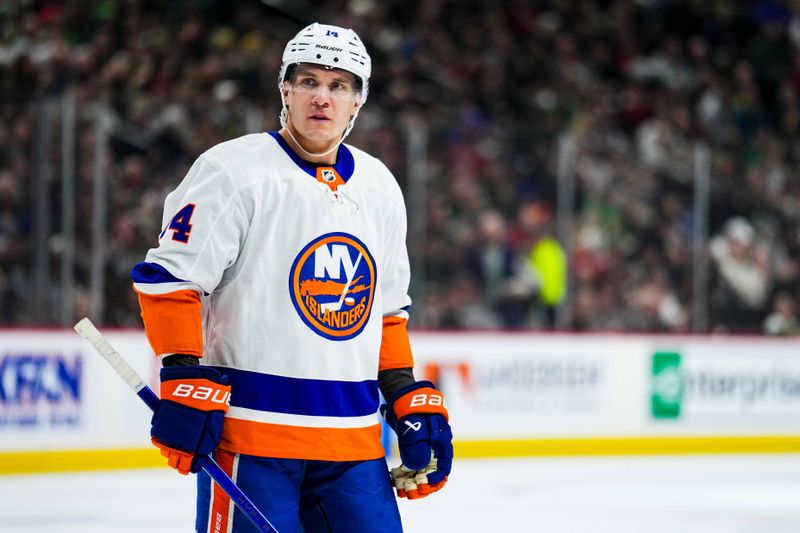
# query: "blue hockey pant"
{"points": [[301, 496]]}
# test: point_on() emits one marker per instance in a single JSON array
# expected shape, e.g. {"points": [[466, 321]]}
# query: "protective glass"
{"points": [[336, 91]]}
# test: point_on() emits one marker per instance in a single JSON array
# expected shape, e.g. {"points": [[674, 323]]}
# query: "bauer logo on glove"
{"points": [[205, 395], [187, 426], [418, 416]]}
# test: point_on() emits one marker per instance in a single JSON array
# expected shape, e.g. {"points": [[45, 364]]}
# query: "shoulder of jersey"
{"points": [[248, 158], [374, 170]]}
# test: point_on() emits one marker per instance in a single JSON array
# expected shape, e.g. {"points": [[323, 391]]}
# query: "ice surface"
{"points": [[686, 494]]}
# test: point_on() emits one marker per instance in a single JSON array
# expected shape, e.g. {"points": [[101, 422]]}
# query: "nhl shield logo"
{"points": [[328, 176], [332, 285]]}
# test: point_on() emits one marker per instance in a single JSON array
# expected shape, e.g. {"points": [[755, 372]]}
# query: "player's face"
{"points": [[320, 102]]}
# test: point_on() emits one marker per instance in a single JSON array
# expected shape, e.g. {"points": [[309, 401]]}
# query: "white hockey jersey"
{"points": [[301, 274]]}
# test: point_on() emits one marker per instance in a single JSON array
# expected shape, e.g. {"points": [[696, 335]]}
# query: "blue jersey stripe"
{"points": [[152, 273], [345, 164], [299, 396]]}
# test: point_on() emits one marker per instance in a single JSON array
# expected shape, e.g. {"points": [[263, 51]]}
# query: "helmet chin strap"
{"points": [[312, 154]]}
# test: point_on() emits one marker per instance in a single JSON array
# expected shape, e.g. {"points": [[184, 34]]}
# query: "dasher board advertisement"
{"points": [[56, 392]]}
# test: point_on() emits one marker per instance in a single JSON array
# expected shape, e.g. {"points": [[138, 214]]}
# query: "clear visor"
{"points": [[340, 92]]}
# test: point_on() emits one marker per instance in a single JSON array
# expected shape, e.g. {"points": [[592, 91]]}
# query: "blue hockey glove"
{"points": [[418, 416], [187, 425]]}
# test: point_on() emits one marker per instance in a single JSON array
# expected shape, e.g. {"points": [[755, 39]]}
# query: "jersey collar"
{"points": [[344, 159]]}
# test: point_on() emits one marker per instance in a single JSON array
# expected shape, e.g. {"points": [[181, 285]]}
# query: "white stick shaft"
{"points": [[86, 329], [349, 280]]}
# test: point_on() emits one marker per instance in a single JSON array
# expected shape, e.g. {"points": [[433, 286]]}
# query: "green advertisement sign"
{"points": [[667, 383]]}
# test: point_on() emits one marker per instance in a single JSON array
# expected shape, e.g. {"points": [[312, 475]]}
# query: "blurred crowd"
{"points": [[512, 94]]}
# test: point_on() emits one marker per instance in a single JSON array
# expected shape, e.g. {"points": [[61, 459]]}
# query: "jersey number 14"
{"points": [[180, 224]]}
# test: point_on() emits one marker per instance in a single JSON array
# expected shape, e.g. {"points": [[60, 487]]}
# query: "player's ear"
{"points": [[285, 87]]}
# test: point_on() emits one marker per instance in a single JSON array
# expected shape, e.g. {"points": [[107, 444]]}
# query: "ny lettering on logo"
{"points": [[332, 33]]}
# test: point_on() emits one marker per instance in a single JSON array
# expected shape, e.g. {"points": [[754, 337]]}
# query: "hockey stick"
{"points": [[335, 306], [86, 329]]}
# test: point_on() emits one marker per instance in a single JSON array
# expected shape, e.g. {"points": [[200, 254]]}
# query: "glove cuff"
{"points": [[419, 398], [201, 388]]}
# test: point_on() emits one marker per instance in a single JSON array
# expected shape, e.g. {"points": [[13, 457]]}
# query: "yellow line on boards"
{"points": [[627, 446], [82, 460], [74, 460]]}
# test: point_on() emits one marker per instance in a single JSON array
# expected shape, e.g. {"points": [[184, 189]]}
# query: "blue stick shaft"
{"points": [[88, 331], [220, 477], [148, 397]]}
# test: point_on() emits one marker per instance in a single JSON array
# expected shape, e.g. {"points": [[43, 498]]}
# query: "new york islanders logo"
{"points": [[332, 285]]}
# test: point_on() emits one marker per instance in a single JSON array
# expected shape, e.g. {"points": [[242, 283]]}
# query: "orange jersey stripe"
{"points": [[221, 505], [294, 442], [172, 322], [395, 346]]}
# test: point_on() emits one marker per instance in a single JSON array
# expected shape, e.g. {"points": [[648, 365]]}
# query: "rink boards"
{"points": [[62, 408]]}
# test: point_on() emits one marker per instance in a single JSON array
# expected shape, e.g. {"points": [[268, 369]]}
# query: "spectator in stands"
{"points": [[782, 319], [744, 276], [634, 84], [507, 281]]}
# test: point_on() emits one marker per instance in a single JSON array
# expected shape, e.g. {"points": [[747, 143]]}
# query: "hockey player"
{"points": [[277, 301]]}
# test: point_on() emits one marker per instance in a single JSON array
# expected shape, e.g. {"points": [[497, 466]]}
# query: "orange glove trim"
{"points": [[421, 401], [202, 394], [422, 490], [177, 459]]}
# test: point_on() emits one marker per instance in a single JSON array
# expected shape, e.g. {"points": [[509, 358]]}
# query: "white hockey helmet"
{"points": [[330, 46]]}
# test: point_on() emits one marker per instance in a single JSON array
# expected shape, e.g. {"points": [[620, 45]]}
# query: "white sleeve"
{"points": [[396, 269], [204, 226]]}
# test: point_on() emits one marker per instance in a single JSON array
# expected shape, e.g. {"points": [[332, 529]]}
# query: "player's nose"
{"points": [[322, 97]]}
